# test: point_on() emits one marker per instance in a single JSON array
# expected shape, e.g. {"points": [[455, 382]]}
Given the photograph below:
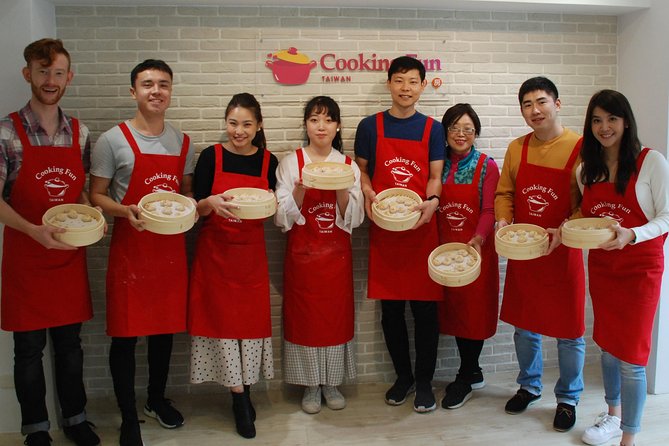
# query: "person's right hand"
{"points": [[370, 197], [221, 205], [43, 235], [501, 223]]}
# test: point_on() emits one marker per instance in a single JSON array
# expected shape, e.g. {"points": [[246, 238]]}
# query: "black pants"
{"points": [[470, 350], [122, 365], [30, 382], [426, 333]]}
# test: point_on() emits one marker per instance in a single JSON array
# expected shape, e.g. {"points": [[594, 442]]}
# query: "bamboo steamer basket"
{"points": [[166, 224], [252, 210], [521, 251], [454, 278], [396, 224], [313, 175], [587, 233], [76, 236]]}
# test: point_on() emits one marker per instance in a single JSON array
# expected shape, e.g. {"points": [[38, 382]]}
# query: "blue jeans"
{"points": [[626, 383], [571, 356], [30, 382]]}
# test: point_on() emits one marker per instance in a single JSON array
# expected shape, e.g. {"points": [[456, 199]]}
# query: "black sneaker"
{"points": [[457, 394], [565, 417], [162, 410], [424, 401], [82, 434], [398, 393], [131, 435], [39, 438], [521, 401], [476, 380]]}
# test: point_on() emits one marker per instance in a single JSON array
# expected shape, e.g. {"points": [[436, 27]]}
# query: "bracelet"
{"points": [[432, 197]]}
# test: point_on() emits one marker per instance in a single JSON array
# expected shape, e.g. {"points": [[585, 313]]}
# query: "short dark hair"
{"points": [[403, 64], [45, 50], [249, 102], [329, 107], [592, 153], [454, 113], [149, 64], [537, 83]]}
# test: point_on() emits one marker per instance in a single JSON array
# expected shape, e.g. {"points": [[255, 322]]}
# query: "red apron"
{"points": [[469, 311], [229, 290], [318, 274], [41, 287], [624, 285], [398, 260], [545, 295], [147, 278]]}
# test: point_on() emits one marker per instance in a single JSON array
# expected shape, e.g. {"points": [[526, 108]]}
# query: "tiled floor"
{"points": [[368, 421]]}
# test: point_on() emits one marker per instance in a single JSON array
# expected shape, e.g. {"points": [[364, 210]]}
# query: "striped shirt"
{"points": [[11, 149]]}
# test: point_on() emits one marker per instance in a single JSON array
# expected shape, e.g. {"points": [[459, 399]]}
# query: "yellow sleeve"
{"points": [[506, 187]]}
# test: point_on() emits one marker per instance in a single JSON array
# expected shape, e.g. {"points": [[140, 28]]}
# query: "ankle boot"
{"points": [[247, 391], [241, 407]]}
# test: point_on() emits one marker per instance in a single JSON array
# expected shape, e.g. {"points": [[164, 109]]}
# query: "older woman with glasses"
{"points": [[466, 215]]}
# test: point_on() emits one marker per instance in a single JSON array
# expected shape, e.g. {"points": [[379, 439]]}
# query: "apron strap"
{"points": [[479, 169], [218, 157], [20, 130], [184, 153], [426, 132], [526, 145], [348, 160], [265, 163], [574, 154], [379, 125], [131, 139], [300, 161]]}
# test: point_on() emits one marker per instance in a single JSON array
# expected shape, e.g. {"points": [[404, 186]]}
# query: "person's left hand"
{"points": [[476, 242], [555, 235], [624, 237], [427, 209]]}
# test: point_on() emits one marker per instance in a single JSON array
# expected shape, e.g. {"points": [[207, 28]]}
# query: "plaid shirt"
{"points": [[11, 149]]}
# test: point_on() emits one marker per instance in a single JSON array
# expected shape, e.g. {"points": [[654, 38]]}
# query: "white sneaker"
{"points": [[311, 401], [333, 398], [605, 428]]}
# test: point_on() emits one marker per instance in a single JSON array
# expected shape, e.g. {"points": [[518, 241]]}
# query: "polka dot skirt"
{"points": [[230, 362]]}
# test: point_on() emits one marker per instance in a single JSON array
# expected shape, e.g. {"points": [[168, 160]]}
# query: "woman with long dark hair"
{"points": [[621, 179], [318, 269], [229, 309]]}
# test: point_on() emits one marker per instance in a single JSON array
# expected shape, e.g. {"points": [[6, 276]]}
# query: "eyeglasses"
{"points": [[466, 131]]}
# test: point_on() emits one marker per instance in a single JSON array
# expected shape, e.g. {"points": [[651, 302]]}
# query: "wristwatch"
{"points": [[432, 197]]}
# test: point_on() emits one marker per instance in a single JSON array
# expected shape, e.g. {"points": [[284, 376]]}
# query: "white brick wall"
{"points": [[218, 51]]}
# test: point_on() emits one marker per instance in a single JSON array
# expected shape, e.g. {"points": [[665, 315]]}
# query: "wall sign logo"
{"points": [[290, 67]]}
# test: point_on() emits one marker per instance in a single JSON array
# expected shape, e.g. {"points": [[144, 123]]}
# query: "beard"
{"points": [[47, 98]]}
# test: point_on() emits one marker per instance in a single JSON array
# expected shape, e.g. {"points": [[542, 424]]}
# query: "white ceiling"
{"points": [[607, 7]]}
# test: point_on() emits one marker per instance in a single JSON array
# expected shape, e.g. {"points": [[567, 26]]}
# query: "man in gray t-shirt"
{"points": [[147, 277]]}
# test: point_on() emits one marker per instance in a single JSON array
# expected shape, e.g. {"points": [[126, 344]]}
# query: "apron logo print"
{"points": [[163, 188], [537, 203], [56, 187], [401, 174], [325, 220], [456, 219], [612, 215]]}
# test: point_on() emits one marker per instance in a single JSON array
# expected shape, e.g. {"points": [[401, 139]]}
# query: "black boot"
{"points": [[247, 391], [241, 407]]}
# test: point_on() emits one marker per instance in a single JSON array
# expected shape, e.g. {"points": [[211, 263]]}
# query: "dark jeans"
{"points": [[470, 350], [29, 376], [426, 333], [122, 365]]}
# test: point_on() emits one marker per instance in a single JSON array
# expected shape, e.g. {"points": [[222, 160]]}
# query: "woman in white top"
{"points": [[621, 179], [318, 270]]}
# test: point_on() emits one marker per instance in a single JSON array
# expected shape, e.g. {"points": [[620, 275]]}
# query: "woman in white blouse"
{"points": [[318, 272], [623, 180]]}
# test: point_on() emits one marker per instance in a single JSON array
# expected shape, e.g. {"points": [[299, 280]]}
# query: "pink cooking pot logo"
{"points": [[612, 216], [163, 188], [56, 188], [537, 203], [325, 220], [290, 67], [401, 174], [456, 219]]}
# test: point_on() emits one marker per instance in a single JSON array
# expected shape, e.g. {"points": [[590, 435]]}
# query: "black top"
{"points": [[250, 165]]}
